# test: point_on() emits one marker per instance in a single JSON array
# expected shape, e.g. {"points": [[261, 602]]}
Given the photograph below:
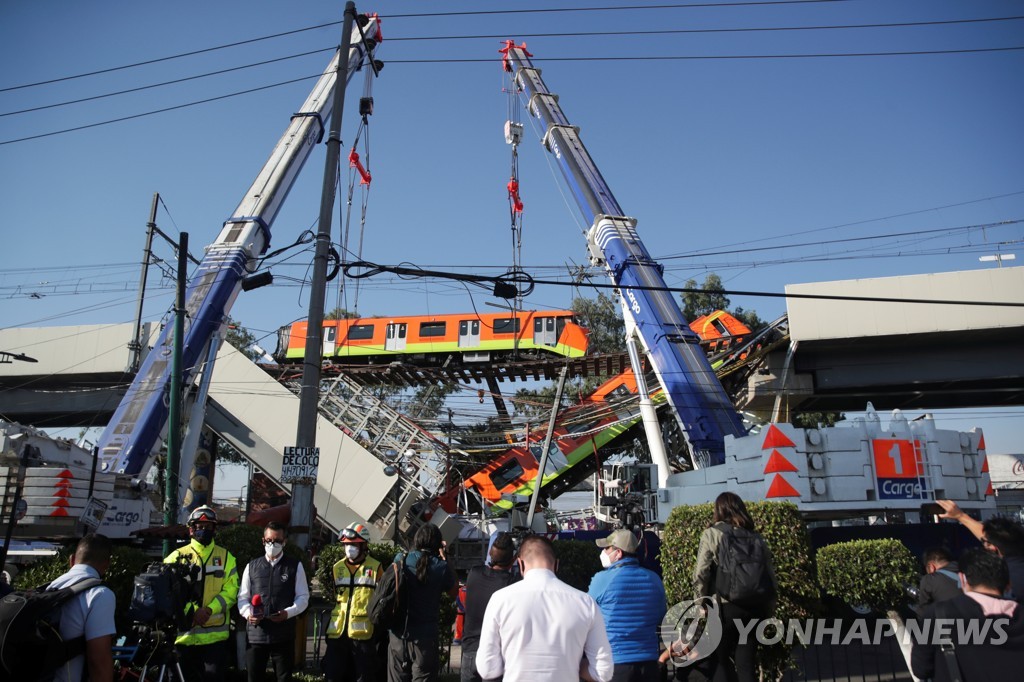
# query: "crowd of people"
{"points": [[522, 623]]}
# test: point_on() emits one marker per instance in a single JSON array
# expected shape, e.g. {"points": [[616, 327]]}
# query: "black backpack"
{"points": [[742, 575], [388, 601], [31, 647]]}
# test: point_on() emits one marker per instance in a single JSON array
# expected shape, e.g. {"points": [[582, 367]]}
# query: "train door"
{"points": [[469, 333], [544, 333], [394, 338], [330, 337]]}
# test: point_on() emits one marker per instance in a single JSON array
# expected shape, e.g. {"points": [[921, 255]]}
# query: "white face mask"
{"points": [[606, 560], [351, 552], [274, 550]]}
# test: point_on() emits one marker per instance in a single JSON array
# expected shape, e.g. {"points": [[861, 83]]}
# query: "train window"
{"points": [[720, 327], [620, 392], [556, 459], [432, 329], [561, 326], [506, 473], [330, 333], [360, 332], [506, 325]]}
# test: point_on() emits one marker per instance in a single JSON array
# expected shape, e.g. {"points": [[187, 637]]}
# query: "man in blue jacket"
{"points": [[632, 602]]}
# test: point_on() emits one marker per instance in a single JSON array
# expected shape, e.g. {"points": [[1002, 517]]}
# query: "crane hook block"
{"points": [[513, 132], [366, 106]]}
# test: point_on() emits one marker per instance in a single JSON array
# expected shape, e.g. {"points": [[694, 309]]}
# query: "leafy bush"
{"points": [[125, 564], [868, 572], [578, 561], [780, 525]]}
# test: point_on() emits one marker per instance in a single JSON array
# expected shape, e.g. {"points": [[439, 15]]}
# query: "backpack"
{"points": [[388, 601], [31, 647], [742, 575]]}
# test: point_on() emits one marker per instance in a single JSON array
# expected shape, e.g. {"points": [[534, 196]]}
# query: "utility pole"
{"points": [[174, 410], [135, 345], [538, 482], [309, 393]]}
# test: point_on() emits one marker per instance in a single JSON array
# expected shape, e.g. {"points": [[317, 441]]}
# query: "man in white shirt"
{"points": [[280, 583], [541, 629], [90, 615]]}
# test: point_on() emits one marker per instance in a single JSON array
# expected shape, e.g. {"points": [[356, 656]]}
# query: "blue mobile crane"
{"points": [[653, 319], [140, 421], [853, 469]]}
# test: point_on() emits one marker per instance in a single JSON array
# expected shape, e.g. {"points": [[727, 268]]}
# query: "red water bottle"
{"points": [[257, 606]]}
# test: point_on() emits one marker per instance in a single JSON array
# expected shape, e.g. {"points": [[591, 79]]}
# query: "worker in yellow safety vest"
{"points": [[202, 650], [351, 649]]}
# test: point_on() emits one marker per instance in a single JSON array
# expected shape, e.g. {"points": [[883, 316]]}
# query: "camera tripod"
{"points": [[157, 657]]}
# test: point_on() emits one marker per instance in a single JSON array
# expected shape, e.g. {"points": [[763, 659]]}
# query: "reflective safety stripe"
{"points": [[360, 580], [223, 603]]}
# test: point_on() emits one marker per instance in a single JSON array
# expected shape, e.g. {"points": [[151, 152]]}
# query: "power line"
{"points": [[551, 10], [491, 61], [818, 55], [164, 59], [582, 34], [164, 83], [500, 36], [398, 16], [374, 269]]}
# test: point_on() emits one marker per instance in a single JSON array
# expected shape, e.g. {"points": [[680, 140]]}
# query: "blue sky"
{"points": [[709, 154]]}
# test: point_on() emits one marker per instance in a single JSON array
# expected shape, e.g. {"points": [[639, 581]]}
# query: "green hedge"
{"points": [[578, 561], [125, 564], [867, 572], [786, 535]]}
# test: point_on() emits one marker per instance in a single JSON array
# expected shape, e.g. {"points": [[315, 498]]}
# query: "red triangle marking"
{"points": [[776, 439], [65, 474], [981, 443], [60, 503], [64, 484], [777, 463], [58, 512], [781, 488], [990, 492], [984, 466], [62, 493]]}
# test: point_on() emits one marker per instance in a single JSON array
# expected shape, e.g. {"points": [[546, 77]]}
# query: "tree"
{"points": [[602, 316], [709, 299], [812, 420], [340, 314], [242, 339], [749, 318]]}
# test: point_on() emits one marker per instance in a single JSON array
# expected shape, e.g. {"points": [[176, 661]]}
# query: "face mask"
{"points": [[606, 560], [351, 552], [274, 549], [203, 536]]}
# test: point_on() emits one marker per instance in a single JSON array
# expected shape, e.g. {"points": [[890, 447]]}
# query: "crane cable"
{"points": [[357, 168], [513, 136]]}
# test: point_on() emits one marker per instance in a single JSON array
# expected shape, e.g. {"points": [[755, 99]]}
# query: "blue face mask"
{"points": [[203, 536]]}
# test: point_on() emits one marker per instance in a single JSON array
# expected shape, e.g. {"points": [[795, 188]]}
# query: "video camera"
{"points": [[161, 595]]}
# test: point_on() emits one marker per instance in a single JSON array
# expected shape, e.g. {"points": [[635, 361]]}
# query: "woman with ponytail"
{"points": [[412, 651]]}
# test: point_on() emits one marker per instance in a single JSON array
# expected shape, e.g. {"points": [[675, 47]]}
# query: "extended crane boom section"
{"points": [[702, 406], [140, 420]]}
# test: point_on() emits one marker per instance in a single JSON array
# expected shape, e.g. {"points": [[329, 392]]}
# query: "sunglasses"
{"points": [[270, 541], [351, 535]]}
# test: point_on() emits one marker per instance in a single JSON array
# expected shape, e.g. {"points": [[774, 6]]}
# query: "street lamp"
{"points": [[397, 465], [243, 508]]}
